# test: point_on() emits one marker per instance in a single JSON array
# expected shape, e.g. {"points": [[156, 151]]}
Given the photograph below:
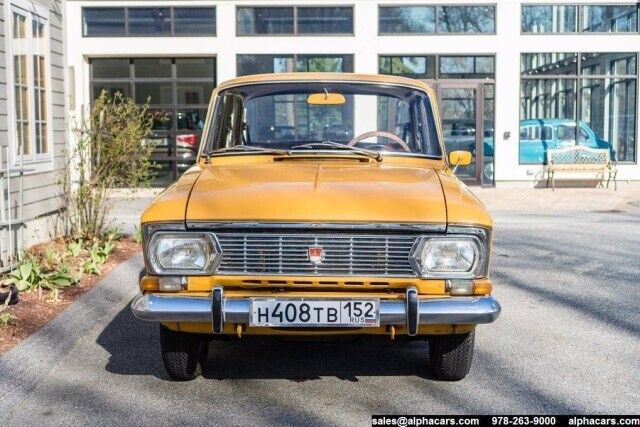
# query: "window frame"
{"points": [[173, 108], [579, 7], [38, 162], [295, 8], [437, 19], [578, 77], [436, 56], [171, 33], [295, 57]]}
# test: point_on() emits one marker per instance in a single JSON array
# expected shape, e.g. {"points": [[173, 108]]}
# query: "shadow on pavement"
{"points": [[133, 347]]}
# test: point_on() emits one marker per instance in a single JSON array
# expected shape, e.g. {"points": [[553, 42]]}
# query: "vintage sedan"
{"points": [[321, 205]]}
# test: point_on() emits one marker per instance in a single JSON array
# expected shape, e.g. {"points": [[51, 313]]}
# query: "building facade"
{"points": [[513, 77], [32, 121]]}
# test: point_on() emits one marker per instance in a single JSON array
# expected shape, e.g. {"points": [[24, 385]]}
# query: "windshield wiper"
{"points": [[247, 149], [336, 145]]}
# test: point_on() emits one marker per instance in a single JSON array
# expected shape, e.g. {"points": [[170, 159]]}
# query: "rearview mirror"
{"points": [[325, 98], [459, 158]]}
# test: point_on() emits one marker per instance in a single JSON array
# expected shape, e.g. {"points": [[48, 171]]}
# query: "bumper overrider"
{"points": [[411, 312]]}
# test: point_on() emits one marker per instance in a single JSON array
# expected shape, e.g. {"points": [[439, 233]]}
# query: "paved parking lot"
{"points": [[567, 341]]}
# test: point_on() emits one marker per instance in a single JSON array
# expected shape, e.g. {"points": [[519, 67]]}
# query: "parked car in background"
{"points": [[278, 231], [539, 135]]}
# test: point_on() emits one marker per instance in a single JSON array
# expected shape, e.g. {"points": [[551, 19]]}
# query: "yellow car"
{"points": [[320, 204]]}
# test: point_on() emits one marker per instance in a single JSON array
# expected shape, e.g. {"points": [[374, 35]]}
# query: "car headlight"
{"points": [[182, 253], [451, 257]]}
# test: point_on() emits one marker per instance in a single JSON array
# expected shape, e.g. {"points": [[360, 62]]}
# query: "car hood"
{"points": [[317, 191]]}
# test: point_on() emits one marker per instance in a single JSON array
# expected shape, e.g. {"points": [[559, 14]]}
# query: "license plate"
{"points": [[315, 312]]}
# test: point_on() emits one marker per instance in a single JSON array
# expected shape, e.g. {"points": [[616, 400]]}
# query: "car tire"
{"points": [[450, 356], [183, 354]]}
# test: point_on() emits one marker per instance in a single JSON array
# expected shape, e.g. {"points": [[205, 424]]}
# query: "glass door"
{"points": [[465, 113]]}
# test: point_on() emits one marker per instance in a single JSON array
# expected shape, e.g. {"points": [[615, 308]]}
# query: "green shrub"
{"points": [[109, 152], [98, 255], [7, 319], [32, 273]]}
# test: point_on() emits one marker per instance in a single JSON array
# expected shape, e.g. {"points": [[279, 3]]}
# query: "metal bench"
{"points": [[578, 158]]}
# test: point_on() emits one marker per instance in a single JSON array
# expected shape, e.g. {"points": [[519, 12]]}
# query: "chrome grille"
{"points": [[344, 254]]}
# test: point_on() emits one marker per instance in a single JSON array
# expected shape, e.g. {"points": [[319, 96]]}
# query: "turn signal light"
{"points": [[149, 283], [482, 287]]}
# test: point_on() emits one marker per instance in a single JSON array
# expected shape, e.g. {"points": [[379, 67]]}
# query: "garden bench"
{"points": [[579, 158]]}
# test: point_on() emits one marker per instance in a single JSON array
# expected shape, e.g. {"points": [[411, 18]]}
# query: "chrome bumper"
{"points": [[411, 312]]}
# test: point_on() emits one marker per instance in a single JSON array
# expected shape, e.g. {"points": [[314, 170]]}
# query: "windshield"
{"points": [[323, 116]]}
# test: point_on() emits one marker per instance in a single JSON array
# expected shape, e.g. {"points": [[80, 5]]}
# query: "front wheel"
{"points": [[183, 354], [450, 356]]}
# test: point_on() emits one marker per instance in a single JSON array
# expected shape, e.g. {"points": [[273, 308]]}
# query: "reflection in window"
{"points": [[415, 67], [194, 20], [178, 90], [149, 21], [407, 19], [142, 21], [553, 64], [466, 19], [325, 20], [549, 19], [596, 108], [103, 21], [471, 67], [264, 20], [258, 64], [294, 20], [110, 68], [609, 19]]}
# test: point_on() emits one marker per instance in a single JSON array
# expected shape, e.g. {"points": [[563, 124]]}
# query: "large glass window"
{"points": [[259, 64], [103, 21], [569, 98], [178, 90], [425, 19], [466, 67], [30, 78], [466, 19], [325, 20], [154, 21], [194, 20], [609, 19], [415, 67], [549, 19], [148, 21], [254, 21], [589, 18], [407, 19]]}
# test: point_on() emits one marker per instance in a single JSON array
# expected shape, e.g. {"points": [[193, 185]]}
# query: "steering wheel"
{"points": [[383, 134]]}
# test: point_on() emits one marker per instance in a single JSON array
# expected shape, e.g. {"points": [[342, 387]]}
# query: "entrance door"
{"points": [[465, 114]]}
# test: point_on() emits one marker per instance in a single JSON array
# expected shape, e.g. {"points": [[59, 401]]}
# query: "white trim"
{"points": [[34, 162]]}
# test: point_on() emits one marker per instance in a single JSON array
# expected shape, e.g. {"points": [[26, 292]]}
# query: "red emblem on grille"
{"points": [[315, 254]]}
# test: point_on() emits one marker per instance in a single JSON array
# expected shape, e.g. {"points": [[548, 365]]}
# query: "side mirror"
{"points": [[459, 158]]}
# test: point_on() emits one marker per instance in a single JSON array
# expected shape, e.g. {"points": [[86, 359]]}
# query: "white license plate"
{"points": [[306, 312]]}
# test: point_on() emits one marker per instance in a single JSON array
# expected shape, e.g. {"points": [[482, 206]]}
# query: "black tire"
{"points": [[183, 354], [450, 356]]}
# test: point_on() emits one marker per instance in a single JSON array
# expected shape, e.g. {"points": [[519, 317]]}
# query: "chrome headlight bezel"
{"points": [[478, 237], [153, 233]]}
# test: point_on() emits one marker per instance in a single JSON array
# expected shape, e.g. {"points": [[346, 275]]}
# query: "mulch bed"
{"points": [[33, 313]]}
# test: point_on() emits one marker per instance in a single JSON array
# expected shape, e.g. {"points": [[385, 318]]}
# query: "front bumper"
{"points": [[412, 311]]}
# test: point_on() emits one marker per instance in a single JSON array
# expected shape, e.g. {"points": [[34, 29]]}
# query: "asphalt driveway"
{"points": [[568, 341]]}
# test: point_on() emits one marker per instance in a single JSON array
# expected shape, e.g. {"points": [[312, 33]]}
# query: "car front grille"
{"points": [[288, 254]]}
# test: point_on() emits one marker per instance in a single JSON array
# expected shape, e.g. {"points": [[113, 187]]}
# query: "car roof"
{"points": [[326, 77]]}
